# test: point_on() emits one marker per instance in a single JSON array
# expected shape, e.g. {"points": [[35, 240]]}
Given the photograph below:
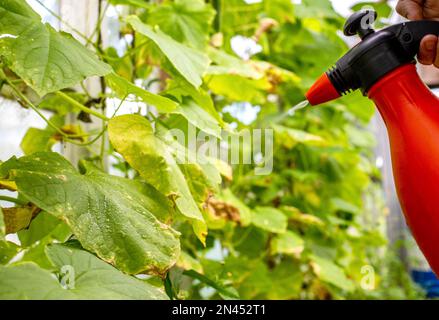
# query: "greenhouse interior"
{"points": [[219, 150]]}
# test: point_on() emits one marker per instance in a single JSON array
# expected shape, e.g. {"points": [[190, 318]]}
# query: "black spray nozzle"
{"points": [[379, 52]]}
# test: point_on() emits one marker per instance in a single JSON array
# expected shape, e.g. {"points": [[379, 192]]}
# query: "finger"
{"points": [[431, 10], [410, 9], [428, 50], [436, 61]]}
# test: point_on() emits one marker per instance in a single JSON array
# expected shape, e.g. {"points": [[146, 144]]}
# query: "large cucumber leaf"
{"points": [[111, 216], [46, 59], [83, 276], [133, 137]]}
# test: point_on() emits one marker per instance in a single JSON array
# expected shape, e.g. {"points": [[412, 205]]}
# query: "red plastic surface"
{"points": [[411, 113], [322, 91]]}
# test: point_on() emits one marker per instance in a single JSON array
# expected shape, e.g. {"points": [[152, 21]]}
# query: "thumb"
{"points": [[411, 9]]}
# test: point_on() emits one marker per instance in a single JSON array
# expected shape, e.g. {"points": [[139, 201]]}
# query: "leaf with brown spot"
{"points": [[19, 218], [223, 210], [133, 137], [114, 217]]}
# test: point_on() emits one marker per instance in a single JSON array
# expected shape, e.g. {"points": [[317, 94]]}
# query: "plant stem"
{"points": [[29, 103], [84, 88], [119, 106], [67, 137], [81, 106], [158, 120], [12, 200], [218, 6], [97, 29], [53, 13]]}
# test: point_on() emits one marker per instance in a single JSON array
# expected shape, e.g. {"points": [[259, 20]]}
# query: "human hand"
{"points": [[423, 9]]}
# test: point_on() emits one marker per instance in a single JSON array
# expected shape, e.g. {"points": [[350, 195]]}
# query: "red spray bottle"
{"points": [[382, 66]]}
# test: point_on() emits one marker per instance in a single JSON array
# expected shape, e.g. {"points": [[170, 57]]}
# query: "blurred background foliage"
{"points": [[325, 183]]}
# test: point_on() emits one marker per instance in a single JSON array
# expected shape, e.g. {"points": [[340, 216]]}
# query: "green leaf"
{"points": [[269, 219], [29, 282], [286, 281], [123, 88], [218, 287], [198, 117], [199, 185], [133, 137], [280, 10], [46, 59], [250, 277], [289, 137], [180, 89], [225, 63], [288, 243], [61, 106], [135, 3], [86, 277], [342, 205], [239, 17], [187, 262], [238, 88], [190, 63], [363, 109], [94, 277], [37, 254], [122, 66], [329, 272], [208, 168], [8, 250], [245, 214], [187, 21], [382, 8], [43, 230], [38, 140], [319, 9], [110, 216], [169, 289], [360, 138], [43, 226], [296, 46]]}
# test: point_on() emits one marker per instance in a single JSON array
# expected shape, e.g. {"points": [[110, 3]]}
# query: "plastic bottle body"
{"points": [[411, 113]]}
